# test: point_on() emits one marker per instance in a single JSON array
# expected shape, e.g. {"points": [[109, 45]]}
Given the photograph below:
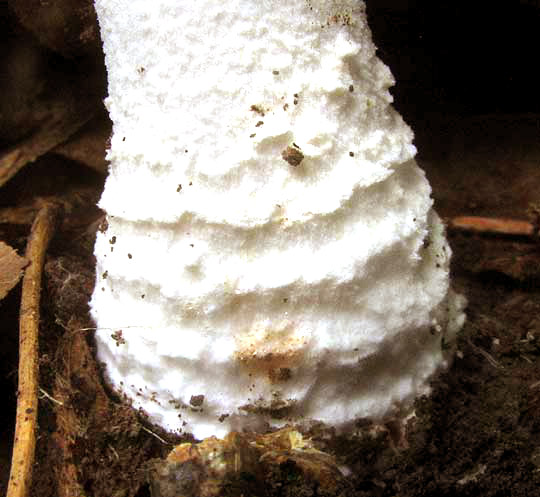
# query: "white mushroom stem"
{"points": [[271, 253]]}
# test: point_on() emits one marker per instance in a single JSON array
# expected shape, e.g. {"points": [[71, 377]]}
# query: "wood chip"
{"points": [[11, 268]]}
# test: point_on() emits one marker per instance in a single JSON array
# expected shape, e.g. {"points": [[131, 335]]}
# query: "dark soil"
{"points": [[479, 431]]}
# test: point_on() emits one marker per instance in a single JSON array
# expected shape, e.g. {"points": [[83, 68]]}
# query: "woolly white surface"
{"points": [[280, 293]]}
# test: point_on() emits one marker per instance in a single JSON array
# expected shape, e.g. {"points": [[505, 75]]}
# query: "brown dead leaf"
{"points": [[45, 100], [11, 268], [208, 468], [89, 144], [65, 26], [59, 126]]}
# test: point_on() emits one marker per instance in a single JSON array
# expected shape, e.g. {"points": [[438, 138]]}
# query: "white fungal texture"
{"points": [[271, 254]]}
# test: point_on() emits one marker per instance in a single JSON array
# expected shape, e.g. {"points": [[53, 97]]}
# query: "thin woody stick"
{"points": [[24, 446], [501, 226]]}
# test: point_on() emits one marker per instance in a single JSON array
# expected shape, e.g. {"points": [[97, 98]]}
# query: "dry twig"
{"points": [[500, 226], [27, 399]]}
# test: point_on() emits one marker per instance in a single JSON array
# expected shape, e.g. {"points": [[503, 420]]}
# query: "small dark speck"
{"points": [[179, 188], [252, 135], [191, 245], [351, 154], [29, 411], [112, 241], [196, 400], [105, 274], [190, 183], [142, 296], [275, 73], [258, 109], [124, 139], [186, 150], [130, 256], [351, 88], [285, 300], [260, 123]]}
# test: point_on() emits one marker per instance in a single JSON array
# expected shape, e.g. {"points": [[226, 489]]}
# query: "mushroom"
{"points": [[300, 273]]}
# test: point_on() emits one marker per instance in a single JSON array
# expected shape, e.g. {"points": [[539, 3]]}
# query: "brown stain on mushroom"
{"points": [[271, 352]]}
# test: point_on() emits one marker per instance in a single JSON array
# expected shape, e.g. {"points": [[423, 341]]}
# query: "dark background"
{"points": [[463, 57]]}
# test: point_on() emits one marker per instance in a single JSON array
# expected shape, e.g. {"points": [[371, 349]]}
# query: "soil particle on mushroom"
{"points": [[293, 155]]}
